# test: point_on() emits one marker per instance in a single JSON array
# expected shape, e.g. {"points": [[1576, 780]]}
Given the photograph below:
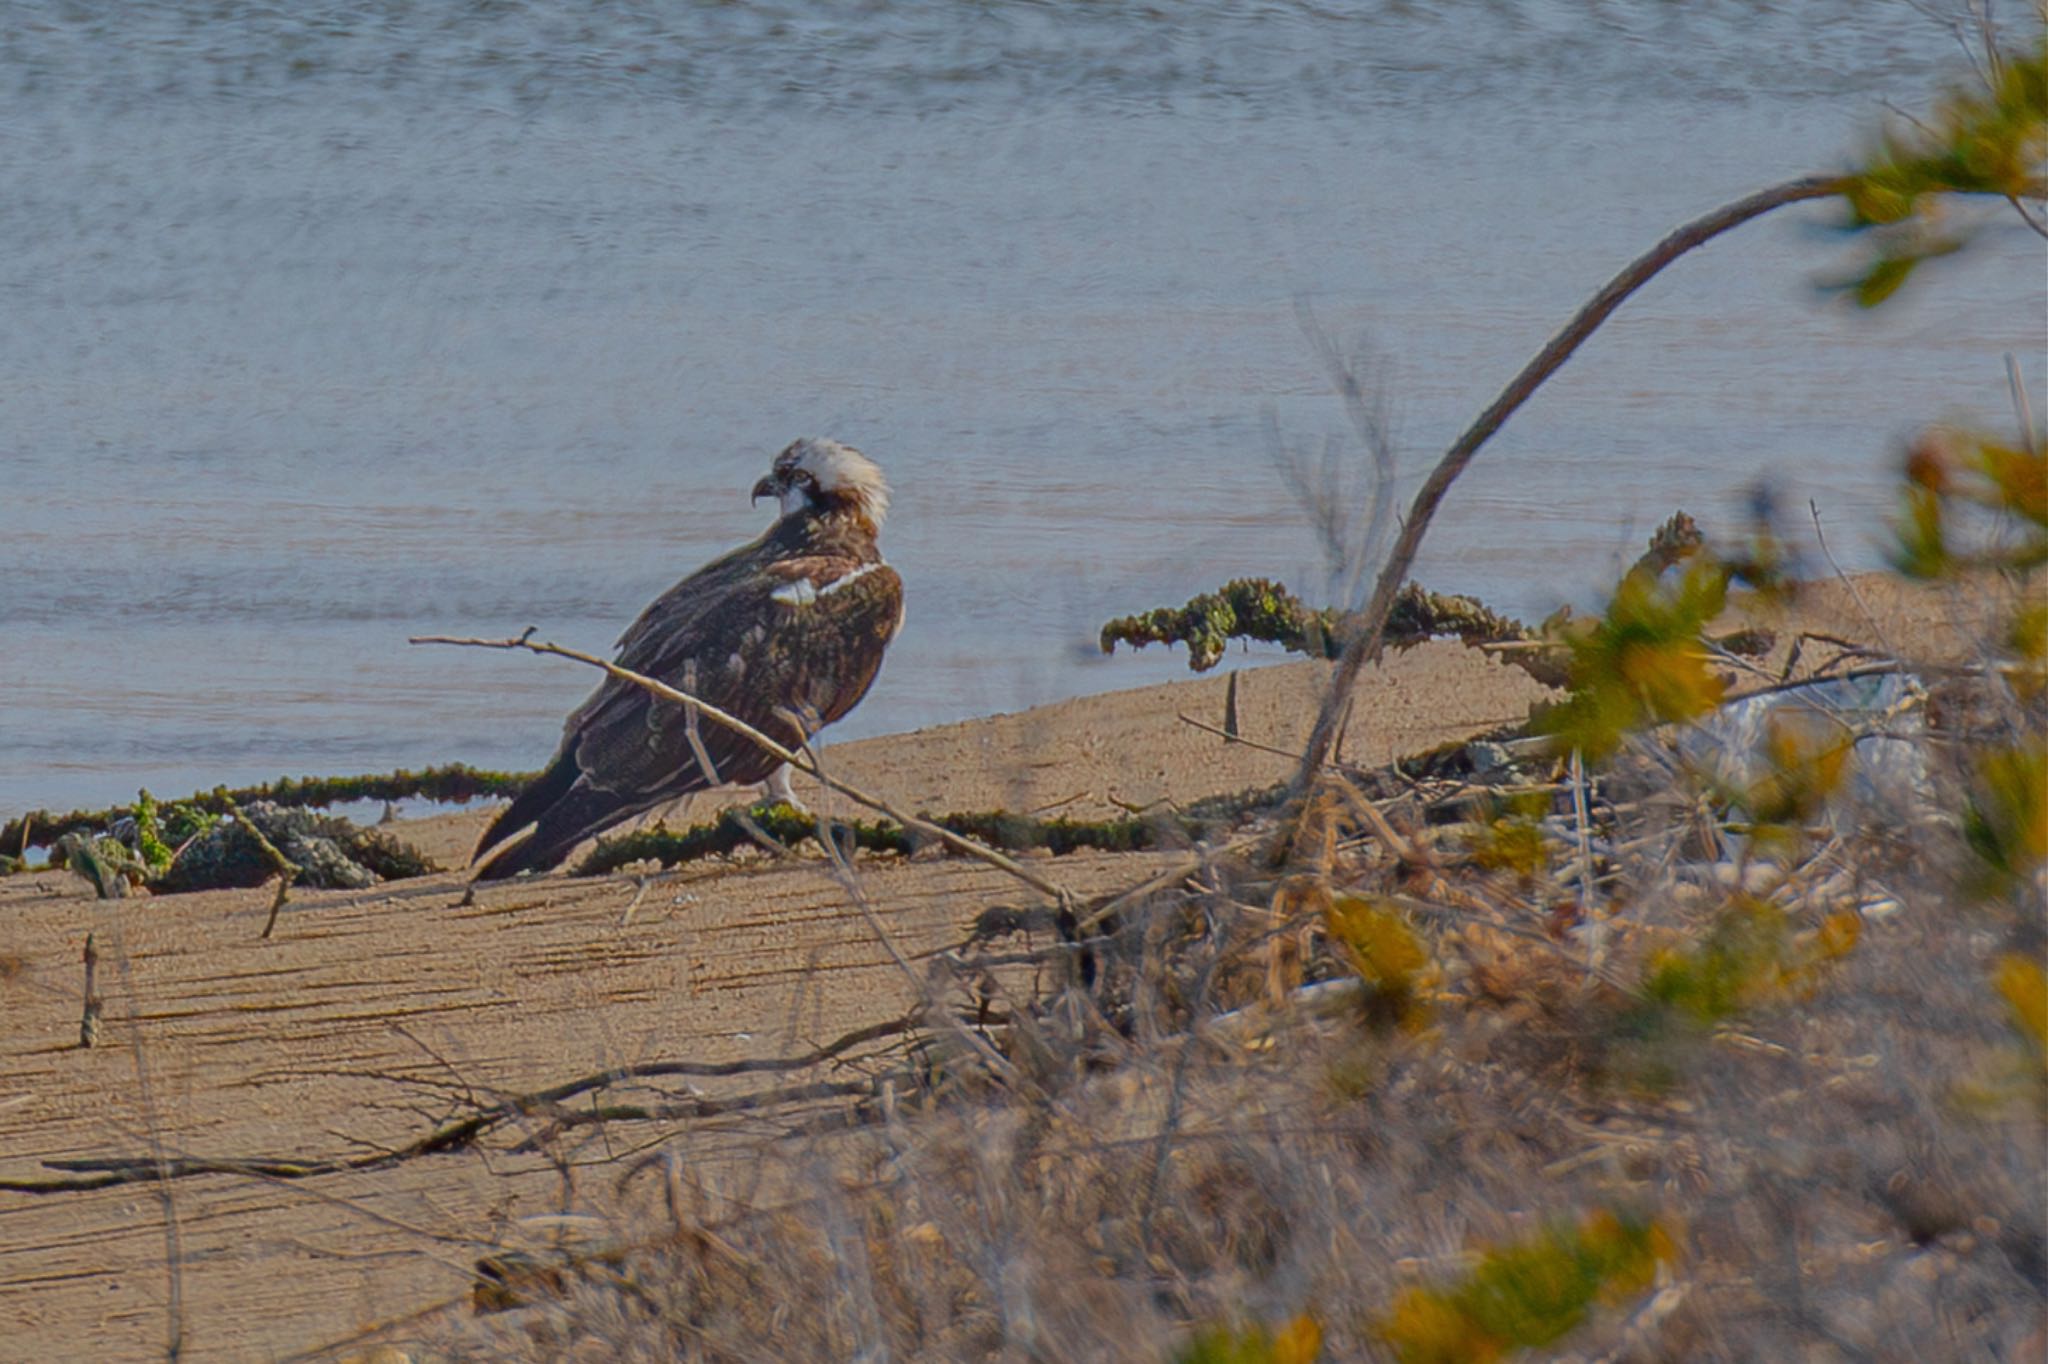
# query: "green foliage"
{"points": [[161, 830], [1988, 140], [1644, 662], [1974, 512], [1921, 548], [1383, 950], [2006, 823], [2026, 639], [1735, 966], [1953, 475], [1749, 958], [1245, 608], [1806, 754], [1527, 1294], [2024, 987], [1950, 476], [1511, 837], [318, 850], [149, 840], [2015, 1077], [1298, 1341], [183, 821], [105, 862]]}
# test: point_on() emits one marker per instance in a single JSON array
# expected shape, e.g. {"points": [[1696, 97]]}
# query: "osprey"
{"points": [[786, 634]]}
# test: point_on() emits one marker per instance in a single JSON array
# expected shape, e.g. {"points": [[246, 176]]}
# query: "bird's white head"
{"points": [[821, 476]]}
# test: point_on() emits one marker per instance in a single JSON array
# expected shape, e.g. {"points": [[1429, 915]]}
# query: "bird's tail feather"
{"points": [[562, 814], [540, 795], [578, 815]]}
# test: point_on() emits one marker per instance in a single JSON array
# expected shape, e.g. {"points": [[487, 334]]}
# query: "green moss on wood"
{"points": [[452, 782], [729, 833], [1264, 610], [1245, 608], [998, 828]]}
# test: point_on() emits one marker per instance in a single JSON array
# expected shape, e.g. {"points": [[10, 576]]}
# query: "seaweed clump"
{"points": [[327, 852]]}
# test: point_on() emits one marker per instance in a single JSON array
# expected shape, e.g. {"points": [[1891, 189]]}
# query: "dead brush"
{"points": [[1667, 1059]]}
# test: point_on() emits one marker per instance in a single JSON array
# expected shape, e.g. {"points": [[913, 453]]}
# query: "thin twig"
{"points": [[103, 1173], [382, 1330], [958, 842], [1402, 848], [287, 870], [1596, 932], [1869, 616], [2020, 407], [808, 1091], [158, 1166], [1157, 882], [1176, 1102], [1228, 737], [89, 1013], [843, 873], [2026, 215], [1437, 909], [1369, 418], [927, 994]]}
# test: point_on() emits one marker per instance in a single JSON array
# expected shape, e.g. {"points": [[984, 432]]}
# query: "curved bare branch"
{"points": [[1369, 627]]}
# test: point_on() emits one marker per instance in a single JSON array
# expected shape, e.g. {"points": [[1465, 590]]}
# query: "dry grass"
{"points": [[1223, 1112]]}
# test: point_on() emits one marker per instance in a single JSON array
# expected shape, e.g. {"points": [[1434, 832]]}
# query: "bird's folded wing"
{"points": [[790, 639]]}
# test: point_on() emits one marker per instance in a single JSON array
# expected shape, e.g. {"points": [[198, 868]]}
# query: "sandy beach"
{"points": [[370, 1017]]}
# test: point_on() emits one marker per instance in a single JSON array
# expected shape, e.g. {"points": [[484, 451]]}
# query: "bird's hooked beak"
{"points": [[765, 488]]}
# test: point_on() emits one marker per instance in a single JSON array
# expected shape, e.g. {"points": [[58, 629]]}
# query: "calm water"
{"points": [[331, 323]]}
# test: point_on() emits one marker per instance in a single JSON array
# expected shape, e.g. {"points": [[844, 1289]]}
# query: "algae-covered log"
{"points": [[1261, 609], [456, 782], [998, 828], [1245, 608], [729, 833]]}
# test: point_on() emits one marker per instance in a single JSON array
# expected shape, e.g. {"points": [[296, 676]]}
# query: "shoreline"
{"points": [[1096, 755]]}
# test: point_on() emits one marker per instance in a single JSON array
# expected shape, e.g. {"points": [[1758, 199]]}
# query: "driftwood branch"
{"points": [[802, 762], [1369, 629], [82, 1175], [286, 869]]}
